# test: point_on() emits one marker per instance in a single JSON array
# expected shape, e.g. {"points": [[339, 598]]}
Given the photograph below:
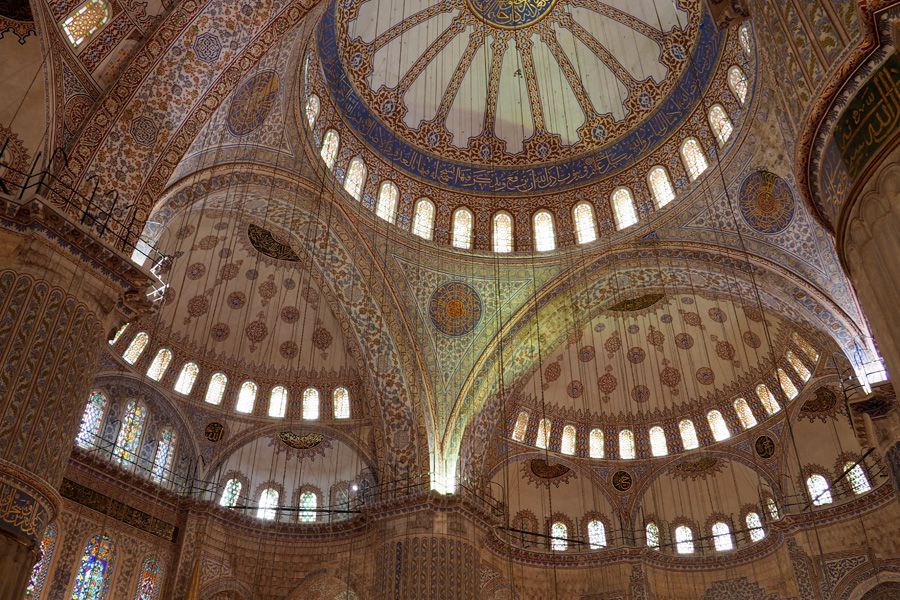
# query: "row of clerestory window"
{"points": [[267, 503]]}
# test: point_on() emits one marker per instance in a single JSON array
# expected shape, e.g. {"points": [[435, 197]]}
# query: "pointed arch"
{"points": [[626, 444], [148, 586], [567, 446], [42, 567], [165, 455], [129, 438], [85, 21], [595, 443], [94, 574]]}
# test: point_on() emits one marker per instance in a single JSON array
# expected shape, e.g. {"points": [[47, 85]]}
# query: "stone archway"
{"points": [[888, 590]]}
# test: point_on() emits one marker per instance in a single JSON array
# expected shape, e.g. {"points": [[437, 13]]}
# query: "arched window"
{"points": [[745, 37], [136, 348], [738, 83], [688, 434], [165, 455], [652, 533], [819, 491], [277, 401], [246, 397], [341, 399], [308, 504], [91, 420], [744, 413], [423, 219], [386, 207], [624, 209], [857, 477], [798, 366], [722, 537], [663, 192], [119, 333], [521, 427], [807, 348], [216, 388], [147, 588], [658, 441], [596, 534], [754, 526], [585, 226], [595, 443], [503, 235], [129, 437], [559, 537], [626, 444], [718, 425], [684, 540], [160, 364], [230, 493], [85, 21], [268, 502], [92, 579], [462, 228], [768, 400], [356, 176], [787, 386], [186, 378], [568, 440], [543, 434], [720, 123], [330, 147], [40, 569], [312, 109], [310, 404], [694, 159], [544, 236], [772, 508]]}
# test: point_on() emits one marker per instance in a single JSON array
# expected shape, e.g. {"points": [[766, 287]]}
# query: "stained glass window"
{"points": [[543, 434], [722, 537], [356, 175], [246, 397], [807, 348], [744, 413], [91, 420], [159, 365], [544, 237], [624, 209], [165, 454], [745, 37], [341, 398], [718, 425], [754, 525], [216, 388], [819, 492], [684, 540], [772, 508], [663, 192], [720, 123], [186, 378], [585, 226], [136, 347], [330, 147], [768, 400], [658, 441], [596, 535], [312, 110], [652, 532], [595, 444], [277, 401], [568, 440], [694, 159], [130, 431], [268, 502], [688, 434], [559, 535], [462, 229], [39, 571], [790, 390], [738, 83], [119, 333], [92, 579], [626, 444], [503, 236], [858, 480], [521, 427], [798, 365], [308, 504], [147, 584], [386, 207], [85, 21], [230, 493], [310, 404], [423, 219]]}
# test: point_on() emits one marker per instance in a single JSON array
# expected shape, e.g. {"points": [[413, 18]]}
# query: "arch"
{"points": [[585, 224], [658, 446], [165, 455], [718, 426], [542, 439], [596, 534], [278, 401], [544, 231], [386, 206], [684, 539], [91, 420], [688, 432], [246, 397], [661, 186], [159, 365], [330, 147], [651, 535], [737, 82], [423, 219], [744, 35], [772, 508], [129, 438], [559, 536], [520, 427], [355, 177], [136, 347], [787, 386], [341, 403], [119, 333], [567, 446], [694, 159], [754, 526], [93, 576], [307, 502], [231, 492], [798, 366], [85, 21], [857, 478], [722, 538], [462, 228], [148, 587], [767, 399], [626, 444], [819, 490], [310, 404], [312, 109], [807, 348], [596, 449], [720, 123], [267, 504], [745, 415], [502, 232], [624, 209], [186, 378], [216, 389]]}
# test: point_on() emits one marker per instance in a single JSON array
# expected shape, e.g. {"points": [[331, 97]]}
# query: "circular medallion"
{"points": [[765, 446], [252, 102], [766, 202], [622, 480], [511, 14], [455, 308], [214, 432]]}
